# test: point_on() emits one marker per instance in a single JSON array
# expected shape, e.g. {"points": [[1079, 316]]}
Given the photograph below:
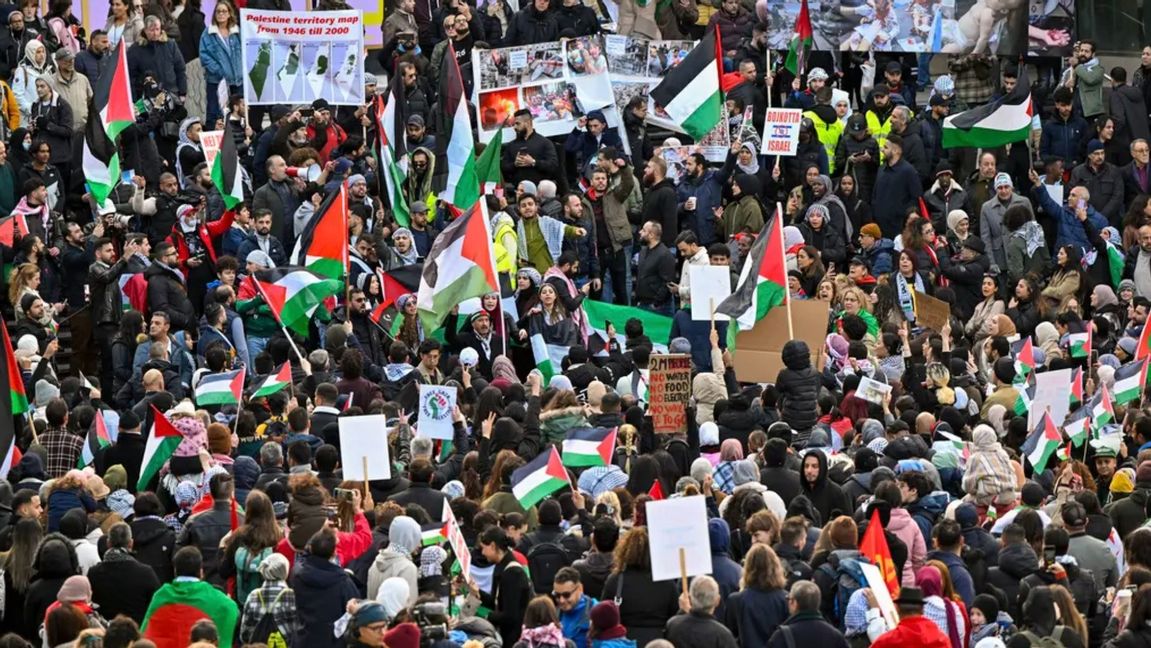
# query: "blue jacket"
{"points": [[275, 249], [879, 256], [577, 622], [699, 334], [585, 147], [622, 642], [1069, 230], [960, 577], [900, 187], [232, 241], [222, 60], [64, 500], [708, 193], [1063, 139]]}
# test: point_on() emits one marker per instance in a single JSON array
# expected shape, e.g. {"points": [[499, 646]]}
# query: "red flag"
{"points": [[874, 548], [656, 491]]}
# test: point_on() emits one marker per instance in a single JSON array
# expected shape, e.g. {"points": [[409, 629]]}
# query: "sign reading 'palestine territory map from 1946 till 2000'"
{"points": [[296, 58]]}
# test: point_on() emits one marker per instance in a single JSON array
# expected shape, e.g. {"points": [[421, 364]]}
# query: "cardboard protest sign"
{"points": [[677, 534], [781, 131], [364, 454], [668, 389], [710, 285], [296, 58], [931, 313], [759, 357], [436, 405]]}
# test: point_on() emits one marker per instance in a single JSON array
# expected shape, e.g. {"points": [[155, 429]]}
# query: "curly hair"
{"points": [[632, 551]]}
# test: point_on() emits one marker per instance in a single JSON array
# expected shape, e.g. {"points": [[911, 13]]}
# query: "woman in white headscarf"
{"points": [[397, 559], [393, 595], [34, 65]]}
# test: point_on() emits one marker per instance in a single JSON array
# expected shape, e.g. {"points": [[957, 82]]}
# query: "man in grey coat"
{"points": [[991, 218], [1090, 553]]}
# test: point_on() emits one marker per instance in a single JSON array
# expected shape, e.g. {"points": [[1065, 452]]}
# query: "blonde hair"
{"points": [[19, 279], [762, 569], [940, 377], [864, 302]]}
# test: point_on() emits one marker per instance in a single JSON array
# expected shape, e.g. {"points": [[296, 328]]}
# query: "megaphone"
{"points": [[310, 173]]}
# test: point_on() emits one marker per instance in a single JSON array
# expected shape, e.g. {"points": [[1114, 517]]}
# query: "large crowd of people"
{"points": [[1004, 528]]}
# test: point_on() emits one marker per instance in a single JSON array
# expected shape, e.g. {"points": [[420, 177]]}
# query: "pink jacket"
{"points": [[905, 528]]}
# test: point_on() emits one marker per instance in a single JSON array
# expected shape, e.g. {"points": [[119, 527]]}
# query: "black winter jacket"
{"points": [[798, 387], [168, 292]]}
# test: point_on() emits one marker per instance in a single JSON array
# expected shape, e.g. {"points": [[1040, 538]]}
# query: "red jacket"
{"points": [[349, 544], [918, 631], [206, 232], [336, 136]]}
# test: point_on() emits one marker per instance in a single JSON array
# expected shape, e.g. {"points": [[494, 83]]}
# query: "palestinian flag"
{"points": [[323, 245], [294, 293], [1129, 381], [1076, 396], [656, 491], [1026, 396], [488, 170], [1143, 348], [549, 357], [463, 188], [994, 124], [400, 281], [13, 402], [1102, 411], [221, 389], [134, 292], [101, 160], [762, 284], [112, 103], [1024, 355], [1115, 262], [1064, 452], [226, 173], [391, 119], [460, 265], [12, 228], [874, 548], [432, 533], [97, 438], [586, 447], [275, 382], [600, 314], [1042, 444], [178, 605], [1077, 425], [163, 439], [539, 478], [801, 42], [394, 176], [690, 93], [1080, 343]]}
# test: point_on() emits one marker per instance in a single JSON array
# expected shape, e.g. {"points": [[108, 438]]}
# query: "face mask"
{"points": [[27, 146]]}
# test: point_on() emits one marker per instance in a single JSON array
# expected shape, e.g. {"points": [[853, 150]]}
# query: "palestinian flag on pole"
{"points": [[690, 93], [463, 188], [1077, 425], [1143, 348], [394, 177], [221, 389], [97, 438], [1102, 411], [539, 478], [275, 382], [1026, 396], [801, 43], [391, 119], [995, 124], [112, 103], [1129, 381], [762, 284], [587, 447], [400, 281], [1115, 262], [599, 314], [323, 245], [1042, 444], [294, 293], [1076, 395], [1024, 355], [488, 170], [163, 439], [460, 265], [226, 173], [549, 357], [13, 401], [101, 160], [433, 533], [1080, 343]]}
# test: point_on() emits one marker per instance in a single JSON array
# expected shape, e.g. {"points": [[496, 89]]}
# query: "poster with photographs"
{"points": [[995, 27], [557, 82], [1051, 27], [637, 65], [297, 58]]}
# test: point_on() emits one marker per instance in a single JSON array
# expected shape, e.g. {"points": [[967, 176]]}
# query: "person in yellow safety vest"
{"points": [[879, 116], [828, 128], [505, 245]]}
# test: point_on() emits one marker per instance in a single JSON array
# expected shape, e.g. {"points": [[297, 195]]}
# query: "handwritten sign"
{"points": [[210, 140], [781, 131], [668, 391], [930, 312]]}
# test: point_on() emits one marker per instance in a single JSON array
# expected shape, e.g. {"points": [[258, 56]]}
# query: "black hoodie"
{"points": [[798, 387], [825, 495], [1016, 561]]}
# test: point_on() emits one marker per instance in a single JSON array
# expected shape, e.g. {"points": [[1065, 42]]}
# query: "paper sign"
{"points": [[436, 405], [710, 285], [365, 437], [1050, 396], [872, 391], [458, 543], [930, 312], [615, 45], [518, 59], [668, 391], [878, 587], [210, 140], [781, 131], [674, 524]]}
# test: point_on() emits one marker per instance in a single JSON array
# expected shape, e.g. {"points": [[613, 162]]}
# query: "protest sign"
{"points": [[878, 587], [364, 452], [931, 313], [1051, 389], [710, 285], [296, 58], [759, 358], [669, 386], [210, 140], [872, 391], [781, 131], [458, 543], [677, 534], [436, 405]]}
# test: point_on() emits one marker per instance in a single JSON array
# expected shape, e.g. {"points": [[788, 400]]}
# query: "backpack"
{"points": [[267, 630], [848, 578], [1044, 642], [544, 560], [248, 578]]}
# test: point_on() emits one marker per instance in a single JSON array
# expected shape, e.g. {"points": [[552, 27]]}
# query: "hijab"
{"points": [[830, 198], [930, 581], [1005, 326], [29, 58], [393, 595], [753, 167], [1104, 296]]}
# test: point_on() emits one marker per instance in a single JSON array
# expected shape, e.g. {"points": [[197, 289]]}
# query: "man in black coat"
{"points": [[806, 623], [661, 204], [479, 336], [127, 451], [656, 269], [903, 125], [530, 156], [531, 25], [966, 270], [578, 17], [1128, 112], [120, 583], [420, 491], [899, 184], [698, 627], [206, 530], [168, 290]]}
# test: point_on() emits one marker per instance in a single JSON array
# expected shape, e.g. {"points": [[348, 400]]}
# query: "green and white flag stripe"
{"points": [[1129, 382], [539, 478], [691, 93], [163, 439], [656, 327], [549, 357], [220, 389]]}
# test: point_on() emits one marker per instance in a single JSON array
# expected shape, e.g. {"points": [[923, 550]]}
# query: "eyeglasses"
{"points": [[563, 595], [376, 627]]}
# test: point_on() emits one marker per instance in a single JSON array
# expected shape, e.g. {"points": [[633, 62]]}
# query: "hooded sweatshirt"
{"points": [[825, 495]]}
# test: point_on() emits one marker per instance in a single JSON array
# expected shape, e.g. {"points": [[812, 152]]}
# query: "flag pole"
{"points": [[783, 258], [293, 343]]}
